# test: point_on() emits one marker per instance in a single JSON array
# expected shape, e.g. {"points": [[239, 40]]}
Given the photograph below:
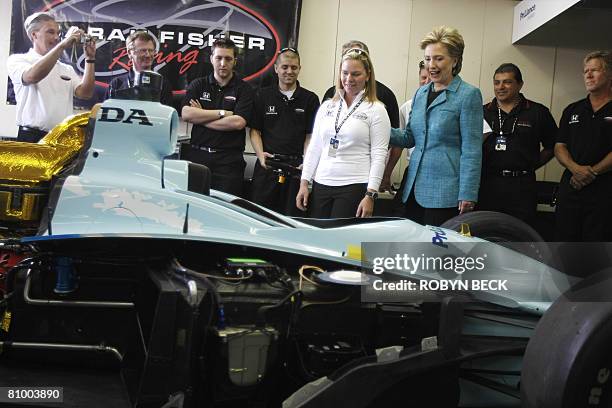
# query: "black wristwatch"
{"points": [[372, 194]]}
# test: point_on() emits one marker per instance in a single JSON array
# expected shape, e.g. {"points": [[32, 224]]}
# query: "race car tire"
{"points": [[568, 360], [494, 226], [503, 228]]}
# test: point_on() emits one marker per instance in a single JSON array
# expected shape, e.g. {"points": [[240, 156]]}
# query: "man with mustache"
{"points": [[44, 86], [140, 46], [283, 118], [521, 142]]}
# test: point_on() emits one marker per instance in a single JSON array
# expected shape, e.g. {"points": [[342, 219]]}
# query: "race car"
{"points": [[126, 281]]}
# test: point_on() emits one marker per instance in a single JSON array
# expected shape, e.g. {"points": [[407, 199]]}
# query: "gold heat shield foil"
{"points": [[27, 209], [26, 168], [32, 163]]}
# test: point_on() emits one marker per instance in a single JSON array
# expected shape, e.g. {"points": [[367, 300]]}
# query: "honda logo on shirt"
{"points": [[205, 96], [271, 110], [574, 119]]}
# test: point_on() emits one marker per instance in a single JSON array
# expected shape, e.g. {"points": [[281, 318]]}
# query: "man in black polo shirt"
{"points": [[283, 117], [384, 94], [584, 148], [219, 107], [512, 153]]}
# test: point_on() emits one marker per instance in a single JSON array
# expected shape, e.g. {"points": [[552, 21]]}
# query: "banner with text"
{"points": [[184, 31]]}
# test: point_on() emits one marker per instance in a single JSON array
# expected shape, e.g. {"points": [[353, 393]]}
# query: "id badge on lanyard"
{"points": [[333, 147], [334, 142], [500, 143]]}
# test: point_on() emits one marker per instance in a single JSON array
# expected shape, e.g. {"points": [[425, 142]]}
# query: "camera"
{"points": [[86, 38]]}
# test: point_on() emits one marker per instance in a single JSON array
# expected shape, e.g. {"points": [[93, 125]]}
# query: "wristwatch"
{"points": [[372, 194], [221, 113]]}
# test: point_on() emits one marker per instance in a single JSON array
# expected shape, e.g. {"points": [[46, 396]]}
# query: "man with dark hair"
{"points": [[140, 46], [283, 118], [521, 142], [44, 86], [584, 148], [219, 107], [384, 94]]}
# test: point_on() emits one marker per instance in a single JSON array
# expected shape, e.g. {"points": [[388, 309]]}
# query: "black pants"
{"points": [[227, 167], [581, 216], [269, 192], [516, 196], [336, 201], [31, 135], [411, 209]]}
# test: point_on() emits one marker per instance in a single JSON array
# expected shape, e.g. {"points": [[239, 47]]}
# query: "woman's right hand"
{"points": [[301, 200]]}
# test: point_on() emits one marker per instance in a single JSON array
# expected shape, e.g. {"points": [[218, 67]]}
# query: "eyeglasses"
{"points": [[357, 51], [143, 51], [282, 50]]}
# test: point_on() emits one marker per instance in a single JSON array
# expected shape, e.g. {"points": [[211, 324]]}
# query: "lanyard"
{"points": [[501, 122], [338, 127], [131, 81]]}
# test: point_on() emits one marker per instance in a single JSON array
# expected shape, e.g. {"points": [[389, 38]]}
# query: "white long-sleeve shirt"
{"points": [[363, 141]]}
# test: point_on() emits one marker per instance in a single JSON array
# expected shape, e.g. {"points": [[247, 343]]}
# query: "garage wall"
{"points": [[392, 29]]}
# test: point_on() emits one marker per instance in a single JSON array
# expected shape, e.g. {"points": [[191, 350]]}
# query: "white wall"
{"points": [[392, 29]]}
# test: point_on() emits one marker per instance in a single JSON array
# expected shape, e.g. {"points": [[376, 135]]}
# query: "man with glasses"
{"points": [[219, 106], [44, 86], [384, 94], [522, 141], [140, 46], [283, 117]]}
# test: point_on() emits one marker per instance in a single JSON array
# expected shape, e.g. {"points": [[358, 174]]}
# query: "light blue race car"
{"points": [[125, 281]]}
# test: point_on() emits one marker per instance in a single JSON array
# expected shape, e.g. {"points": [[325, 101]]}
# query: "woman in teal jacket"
{"points": [[445, 127]]}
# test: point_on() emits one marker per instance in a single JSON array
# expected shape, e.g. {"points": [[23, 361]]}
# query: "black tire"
{"points": [[494, 226], [568, 360], [505, 230]]}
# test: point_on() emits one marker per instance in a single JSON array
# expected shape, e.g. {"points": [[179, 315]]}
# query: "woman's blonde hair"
{"points": [[362, 56], [450, 38]]}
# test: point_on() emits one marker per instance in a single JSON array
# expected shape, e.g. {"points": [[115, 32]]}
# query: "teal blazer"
{"points": [[447, 136]]}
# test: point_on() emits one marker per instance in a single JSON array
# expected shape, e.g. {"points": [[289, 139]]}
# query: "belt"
{"points": [[512, 173], [207, 149], [32, 129]]}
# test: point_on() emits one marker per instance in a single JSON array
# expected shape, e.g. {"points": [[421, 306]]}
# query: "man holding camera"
{"points": [[44, 86]]}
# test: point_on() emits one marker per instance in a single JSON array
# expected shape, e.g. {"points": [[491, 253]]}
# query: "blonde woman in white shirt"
{"points": [[346, 156]]}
